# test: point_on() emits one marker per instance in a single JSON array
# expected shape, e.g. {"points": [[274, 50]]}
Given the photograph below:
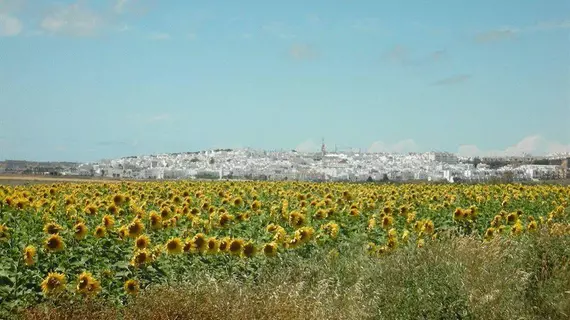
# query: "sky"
{"points": [[86, 80]]}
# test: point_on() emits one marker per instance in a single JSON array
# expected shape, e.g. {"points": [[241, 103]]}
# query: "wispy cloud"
{"points": [[307, 146], [456, 79], [120, 5], [159, 36], [402, 55], [507, 33], [404, 146], [533, 144], [75, 19], [313, 19], [366, 25], [159, 117], [300, 51], [279, 30], [497, 35]]}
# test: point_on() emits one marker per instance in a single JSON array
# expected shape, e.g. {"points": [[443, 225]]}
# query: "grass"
{"points": [[454, 278]]}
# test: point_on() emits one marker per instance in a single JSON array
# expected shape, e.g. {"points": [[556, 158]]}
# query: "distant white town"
{"points": [[318, 166]]}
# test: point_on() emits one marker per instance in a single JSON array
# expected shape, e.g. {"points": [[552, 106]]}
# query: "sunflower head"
{"points": [[29, 254], [54, 283], [142, 242], [174, 246], [54, 243], [132, 287], [270, 249]]}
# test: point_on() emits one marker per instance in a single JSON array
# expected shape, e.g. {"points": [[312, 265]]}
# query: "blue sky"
{"points": [[85, 80]]}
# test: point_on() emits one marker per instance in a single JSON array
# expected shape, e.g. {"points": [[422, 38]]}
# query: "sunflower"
{"points": [[108, 221], [249, 249], [199, 242], [142, 242], [489, 233], [141, 257], [4, 233], [332, 229], [458, 214], [174, 246], [29, 255], [304, 234], [54, 243], [387, 222], [113, 209], [52, 228], [532, 226], [236, 246], [256, 205], [270, 249], [83, 282], [428, 227], [53, 283], [90, 210], [224, 220], [100, 232], [132, 287], [271, 227], [118, 200], [296, 219], [238, 201], [213, 245], [224, 244], [405, 236], [155, 220], [135, 228]]}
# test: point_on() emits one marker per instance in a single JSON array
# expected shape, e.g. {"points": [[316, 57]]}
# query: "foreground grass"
{"points": [[453, 278]]}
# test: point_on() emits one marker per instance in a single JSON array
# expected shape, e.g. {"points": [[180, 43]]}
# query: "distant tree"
{"points": [[476, 162], [508, 176], [385, 177], [212, 161], [369, 179]]}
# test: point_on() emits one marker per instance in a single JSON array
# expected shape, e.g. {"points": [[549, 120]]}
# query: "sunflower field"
{"points": [[113, 241]]}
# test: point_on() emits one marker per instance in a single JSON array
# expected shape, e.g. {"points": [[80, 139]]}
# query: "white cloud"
{"points": [[159, 36], [302, 52], [308, 146], [404, 146], [507, 33], [75, 19], [160, 117], [119, 6], [366, 24], [535, 145], [9, 26]]}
